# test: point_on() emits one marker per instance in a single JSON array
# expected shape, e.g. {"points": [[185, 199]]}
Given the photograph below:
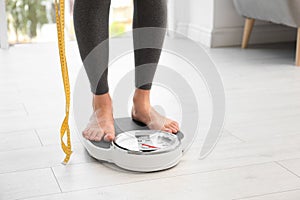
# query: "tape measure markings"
{"points": [[65, 129]]}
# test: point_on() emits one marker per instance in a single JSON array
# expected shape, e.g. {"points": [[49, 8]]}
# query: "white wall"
{"points": [[216, 23], [3, 26], [194, 18]]}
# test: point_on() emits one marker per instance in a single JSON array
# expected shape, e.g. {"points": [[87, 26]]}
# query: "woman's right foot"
{"points": [[101, 124]]}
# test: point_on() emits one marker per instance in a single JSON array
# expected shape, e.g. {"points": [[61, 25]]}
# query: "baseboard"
{"points": [[266, 33], [220, 37], [196, 33]]}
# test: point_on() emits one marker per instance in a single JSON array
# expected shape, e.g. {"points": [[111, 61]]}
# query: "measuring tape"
{"points": [[65, 129]]}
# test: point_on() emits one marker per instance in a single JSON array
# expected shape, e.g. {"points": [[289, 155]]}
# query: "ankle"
{"points": [[141, 98], [102, 101]]}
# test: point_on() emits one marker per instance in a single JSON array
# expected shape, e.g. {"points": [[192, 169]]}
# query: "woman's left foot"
{"points": [[143, 112]]}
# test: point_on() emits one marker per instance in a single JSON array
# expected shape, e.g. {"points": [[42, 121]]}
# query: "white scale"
{"points": [[137, 148]]}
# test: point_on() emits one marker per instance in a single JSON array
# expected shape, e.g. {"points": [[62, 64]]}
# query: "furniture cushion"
{"points": [[285, 12]]}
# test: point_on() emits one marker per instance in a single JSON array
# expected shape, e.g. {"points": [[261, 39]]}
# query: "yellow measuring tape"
{"points": [[65, 129]]}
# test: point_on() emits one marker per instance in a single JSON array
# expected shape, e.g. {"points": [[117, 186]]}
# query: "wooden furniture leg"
{"points": [[298, 48], [247, 31]]}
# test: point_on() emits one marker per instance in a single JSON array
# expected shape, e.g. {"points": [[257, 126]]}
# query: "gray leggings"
{"points": [[91, 23]]}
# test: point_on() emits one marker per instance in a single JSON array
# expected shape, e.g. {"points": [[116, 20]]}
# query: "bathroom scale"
{"points": [[137, 148]]}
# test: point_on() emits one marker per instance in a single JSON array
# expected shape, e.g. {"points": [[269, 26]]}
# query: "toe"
{"points": [[109, 137], [96, 134], [98, 137], [86, 133], [170, 127], [167, 130], [174, 128], [93, 135], [175, 124]]}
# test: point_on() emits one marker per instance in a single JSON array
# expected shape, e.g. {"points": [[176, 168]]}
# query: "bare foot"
{"points": [[101, 124], [143, 112]]}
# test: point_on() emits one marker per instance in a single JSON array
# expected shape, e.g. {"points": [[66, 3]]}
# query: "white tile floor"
{"points": [[258, 157]]}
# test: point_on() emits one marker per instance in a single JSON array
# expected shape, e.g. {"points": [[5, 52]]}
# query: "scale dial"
{"points": [[146, 141]]}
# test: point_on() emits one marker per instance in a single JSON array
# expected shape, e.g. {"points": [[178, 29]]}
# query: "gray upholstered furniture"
{"points": [[285, 12]]}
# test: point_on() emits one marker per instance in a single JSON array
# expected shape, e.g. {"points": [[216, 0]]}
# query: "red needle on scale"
{"points": [[147, 145]]}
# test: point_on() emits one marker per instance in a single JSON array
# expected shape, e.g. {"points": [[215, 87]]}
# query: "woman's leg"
{"points": [[91, 24], [149, 13]]}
